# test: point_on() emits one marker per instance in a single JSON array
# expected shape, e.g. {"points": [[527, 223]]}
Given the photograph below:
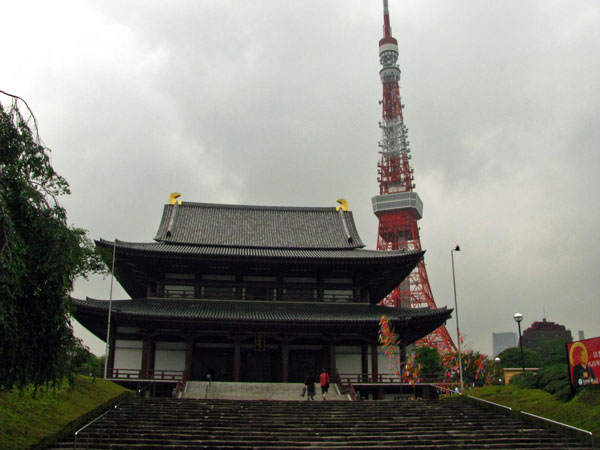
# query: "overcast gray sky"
{"points": [[276, 103]]}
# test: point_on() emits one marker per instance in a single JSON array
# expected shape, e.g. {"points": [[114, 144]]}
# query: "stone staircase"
{"points": [[165, 423]]}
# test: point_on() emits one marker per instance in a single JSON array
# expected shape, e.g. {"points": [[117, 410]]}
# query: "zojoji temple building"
{"points": [[252, 293]]}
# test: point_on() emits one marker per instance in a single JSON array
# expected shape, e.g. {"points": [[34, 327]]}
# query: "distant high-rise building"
{"points": [[581, 335], [502, 341], [540, 332]]}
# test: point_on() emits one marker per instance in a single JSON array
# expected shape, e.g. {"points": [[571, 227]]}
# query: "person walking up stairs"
{"points": [[324, 379]]}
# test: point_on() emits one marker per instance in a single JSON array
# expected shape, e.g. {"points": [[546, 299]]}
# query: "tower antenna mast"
{"points": [[398, 207]]}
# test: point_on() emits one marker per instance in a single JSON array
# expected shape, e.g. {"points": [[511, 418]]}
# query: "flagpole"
{"points": [[112, 278]]}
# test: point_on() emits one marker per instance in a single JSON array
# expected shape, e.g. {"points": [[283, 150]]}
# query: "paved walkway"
{"points": [[254, 391]]}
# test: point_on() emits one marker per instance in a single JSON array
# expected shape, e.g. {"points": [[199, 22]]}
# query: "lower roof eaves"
{"points": [[410, 324]]}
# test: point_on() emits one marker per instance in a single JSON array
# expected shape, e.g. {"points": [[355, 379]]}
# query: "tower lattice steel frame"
{"points": [[398, 207]]}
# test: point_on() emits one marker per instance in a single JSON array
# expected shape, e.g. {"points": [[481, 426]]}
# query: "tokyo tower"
{"points": [[398, 207]]}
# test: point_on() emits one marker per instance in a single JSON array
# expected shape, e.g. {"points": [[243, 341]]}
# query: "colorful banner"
{"points": [[584, 361]]}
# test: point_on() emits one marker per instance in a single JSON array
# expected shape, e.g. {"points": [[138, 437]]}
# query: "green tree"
{"points": [[553, 352], [84, 361], [478, 369], [430, 360], [551, 359], [40, 257], [511, 357]]}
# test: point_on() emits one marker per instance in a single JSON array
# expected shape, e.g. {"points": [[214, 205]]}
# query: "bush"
{"points": [[511, 357], [526, 380], [552, 379]]}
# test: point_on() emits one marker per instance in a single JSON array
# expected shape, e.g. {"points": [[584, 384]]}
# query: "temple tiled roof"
{"points": [[252, 252], [219, 225], [199, 238], [411, 323], [245, 310]]}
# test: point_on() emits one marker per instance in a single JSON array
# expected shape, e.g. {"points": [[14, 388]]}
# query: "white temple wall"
{"points": [[348, 360], [128, 354], [169, 356], [383, 361]]}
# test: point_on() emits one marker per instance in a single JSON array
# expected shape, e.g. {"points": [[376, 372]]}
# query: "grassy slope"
{"points": [[26, 420], [583, 411]]}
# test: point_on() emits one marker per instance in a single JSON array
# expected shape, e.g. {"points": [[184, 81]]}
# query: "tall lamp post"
{"points": [[112, 278], [498, 369], [518, 319], [460, 368]]}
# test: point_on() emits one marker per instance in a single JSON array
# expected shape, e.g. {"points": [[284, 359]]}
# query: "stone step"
{"points": [[336, 425], [330, 441], [219, 444]]}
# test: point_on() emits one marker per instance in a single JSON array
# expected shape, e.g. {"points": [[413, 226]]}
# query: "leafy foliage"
{"points": [[553, 379], [527, 380], [40, 257], [85, 362], [552, 352], [511, 357], [478, 369], [430, 359]]}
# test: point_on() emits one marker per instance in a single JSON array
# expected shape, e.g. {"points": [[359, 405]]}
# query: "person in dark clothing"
{"points": [[309, 382]]}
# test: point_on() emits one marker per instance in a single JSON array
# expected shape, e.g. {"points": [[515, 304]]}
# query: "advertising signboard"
{"points": [[584, 361]]}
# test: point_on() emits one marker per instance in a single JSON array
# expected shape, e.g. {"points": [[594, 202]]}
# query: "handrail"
{"points": [[490, 403], [179, 388], [352, 392], [558, 423], [543, 419], [346, 389], [426, 378], [146, 387], [77, 433], [564, 425]]}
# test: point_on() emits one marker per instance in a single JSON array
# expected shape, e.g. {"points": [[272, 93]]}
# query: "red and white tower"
{"points": [[398, 207]]}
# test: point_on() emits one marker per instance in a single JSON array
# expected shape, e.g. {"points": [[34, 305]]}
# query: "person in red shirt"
{"points": [[324, 379]]}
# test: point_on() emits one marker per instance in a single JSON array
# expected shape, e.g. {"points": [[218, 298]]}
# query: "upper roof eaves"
{"points": [[209, 224], [347, 254]]}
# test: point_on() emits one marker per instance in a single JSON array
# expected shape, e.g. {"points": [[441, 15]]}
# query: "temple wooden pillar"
{"points": [[364, 363], [332, 358], [236, 358], [146, 347], [189, 349], [374, 365], [111, 352], [285, 360], [402, 355]]}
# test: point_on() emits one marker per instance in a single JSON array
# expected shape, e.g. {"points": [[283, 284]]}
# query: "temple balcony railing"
{"points": [[159, 375], [351, 378], [237, 295]]}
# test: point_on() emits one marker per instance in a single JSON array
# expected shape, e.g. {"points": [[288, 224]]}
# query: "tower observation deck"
{"points": [[398, 207]]}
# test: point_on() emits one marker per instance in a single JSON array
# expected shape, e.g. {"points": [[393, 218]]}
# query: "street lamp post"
{"points": [[498, 369], [518, 318], [460, 368], [112, 278]]}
